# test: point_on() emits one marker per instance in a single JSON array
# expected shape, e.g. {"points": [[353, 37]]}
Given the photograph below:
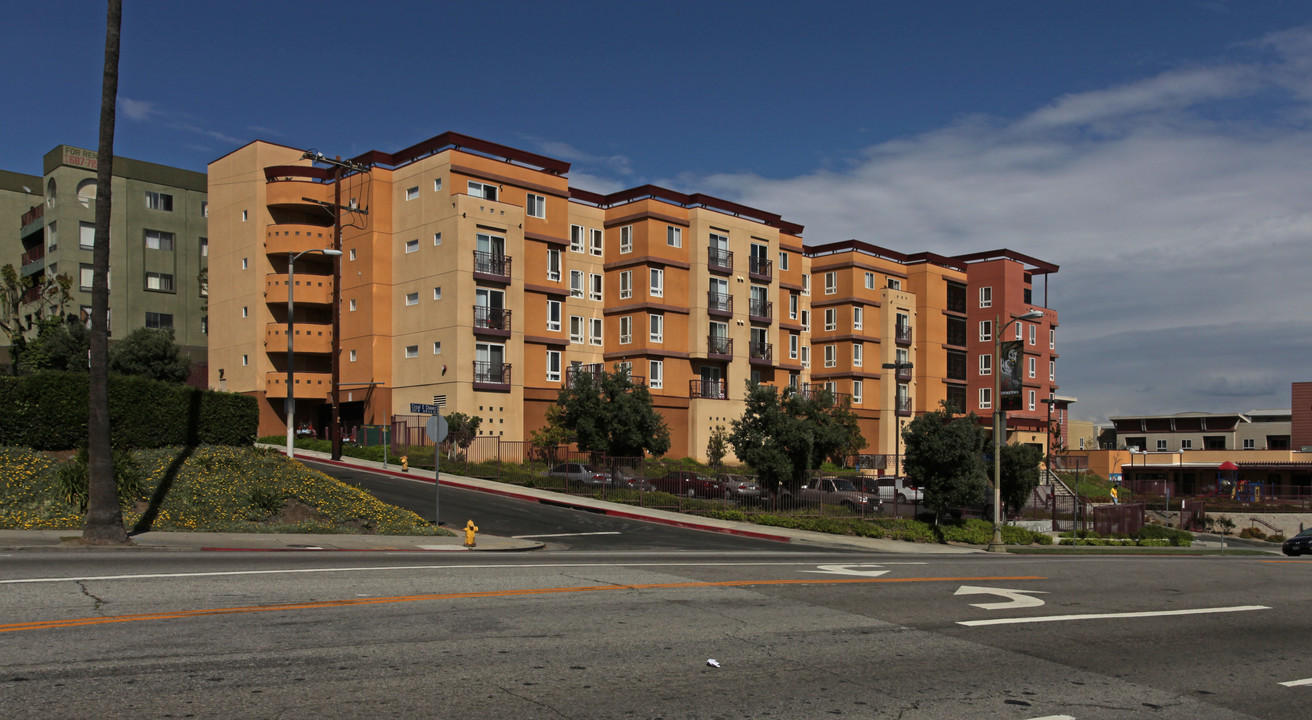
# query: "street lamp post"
{"points": [[291, 333], [897, 433], [1000, 422]]}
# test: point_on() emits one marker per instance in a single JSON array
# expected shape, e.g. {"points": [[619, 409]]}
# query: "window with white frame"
{"points": [[870, 281], [806, 356], [1034, 331], [553, 265], [1031, 403], [985, 364], [626, 367], [576, 238], [159, 201], [1186, 444], [437, 239], [626, 284], [626, 329], [792, 306], [437, 347], [1033, 366], [482, 190], [86, 235], [831, 283], [831, 318], [352, 305], [160, 282], [894, 284], [858, 318], [626, 239], [985, 330], [411, 298], [535, 205], [411, 246], [985, 398], [1161, 445], [655, 374], [554, 309], [412, 193], [597, 241], [857, 391], [437, 292], [858, 354], [656, 282], [594, 331], [594, 282], [553, 366], [806, 283], [783, 261], [354, 356], [411, 351], [1020, 331], [351, 255], [575, 328], [986, 297], [806, 320], [673, 236], [437, 184], [831, 356], [159, 240], [792, 346], [657, 328], [1052, 370], [245, 311], [1249, 443], [576, 283], [1052, 338]]}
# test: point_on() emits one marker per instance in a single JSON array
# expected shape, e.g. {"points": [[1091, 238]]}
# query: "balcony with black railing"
{"points": [[491, 321], [903, 374], [491, 266], [718, 260], [815, 391], [760, 353], [708, 389], [903, 406], [759, 268], [491, 375], [573, 372], [903, 334], [720, 304], [761, 311], [719, 347]]}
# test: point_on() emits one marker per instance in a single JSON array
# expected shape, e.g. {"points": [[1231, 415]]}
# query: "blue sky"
{"points": [[1157, 151]]}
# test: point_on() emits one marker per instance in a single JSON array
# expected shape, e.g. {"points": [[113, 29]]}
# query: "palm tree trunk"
{"points": [[104, 523]]}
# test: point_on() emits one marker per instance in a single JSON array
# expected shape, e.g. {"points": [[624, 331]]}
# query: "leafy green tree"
{"points": [[944, 454], [717, 446], [781, 436], [547, 439], [19, 317], [150, 353], [461, 429], [59, 345], [1020, 473], [610, 414]]}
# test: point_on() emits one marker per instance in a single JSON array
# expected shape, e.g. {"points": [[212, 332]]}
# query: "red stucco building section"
{"points": [[1300, 431]]}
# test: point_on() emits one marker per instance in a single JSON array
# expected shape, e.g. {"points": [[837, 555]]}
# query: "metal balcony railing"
{"points": [[719, 345], [708, 389], [491, 375], [903, 333], [760, 352], [492, 318], [719, 259], [719, 303], [902, 405], [494, 266], [760, 310], [760, 268]]}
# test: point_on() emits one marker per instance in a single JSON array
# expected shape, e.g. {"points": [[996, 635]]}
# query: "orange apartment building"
{"points": [[472, 270]]}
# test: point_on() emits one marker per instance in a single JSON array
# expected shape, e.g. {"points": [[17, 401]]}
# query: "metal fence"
{"points": [[1124, 519]]}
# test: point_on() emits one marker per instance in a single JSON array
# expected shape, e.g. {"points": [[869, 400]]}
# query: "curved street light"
{"points": [[290, 407], [1000, 423], [897, 432]]}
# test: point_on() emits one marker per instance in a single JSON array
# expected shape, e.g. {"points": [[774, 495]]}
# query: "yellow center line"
{"points": [[177, 614]]}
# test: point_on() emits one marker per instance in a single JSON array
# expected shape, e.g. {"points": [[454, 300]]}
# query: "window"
{"points": [[162, 282], [674, 236], [437, 293], [157, 240], [412, 193], [1161, 446], [792, 346], [553, 366], [806, 283], [352, 255], [657, 282], [831, 283], [576, 238], [576, 283], [483, 190], [792, 306], [1052, 370], [655, 374], [159, 321], [85, 276], [986, 364], [831, 356], [553, 315], [594, 280], [159, 201], [437, 239], [858, 353], [352, 305], [626, 239], [857, 391], [858, 318], [553, 265], [986, 297], [870, 281], [626, 284], [1020, 331], [831, 318], [985, 398], [575, 329], [204, 209], [246, 359], [353, 356], [806, 356], [594, 331], [626, 329], [411, 246], [806, 320], [894, 284], [597, 240], [535, 206], [411, 299], [657, 333], [1186, 444], [411, 351], [437, 347], [1249, 444], [985, 330], [244, 215], [1031, 403], [1052, 338], [245, 263], [1033, 363], [86, 235], [627, 367], [52, 237], [437, 184], [1034, 331], [783, 261]]}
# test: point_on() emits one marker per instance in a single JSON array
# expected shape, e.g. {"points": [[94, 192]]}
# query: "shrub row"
{"points": [[1117, 542], [48, 411]]}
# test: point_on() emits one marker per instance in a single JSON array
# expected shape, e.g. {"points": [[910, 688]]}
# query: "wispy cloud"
{"points": [[612, 164], [136, 109], [151, 112]]}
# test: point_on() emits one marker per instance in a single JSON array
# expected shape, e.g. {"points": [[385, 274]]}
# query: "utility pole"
{"points": [[339, 168]]}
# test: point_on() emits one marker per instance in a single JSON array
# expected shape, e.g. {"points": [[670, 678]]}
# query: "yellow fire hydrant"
{"points": [[405, 464], [470, 529]]}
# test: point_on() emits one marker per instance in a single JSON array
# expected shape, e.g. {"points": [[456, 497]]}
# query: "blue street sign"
{"points": [[423, 409]]}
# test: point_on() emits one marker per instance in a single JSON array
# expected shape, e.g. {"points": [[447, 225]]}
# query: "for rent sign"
{"points": [[77, 157]]}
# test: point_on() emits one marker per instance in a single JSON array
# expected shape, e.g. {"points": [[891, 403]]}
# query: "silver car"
{"points": [[740, 488], [580, 474]]}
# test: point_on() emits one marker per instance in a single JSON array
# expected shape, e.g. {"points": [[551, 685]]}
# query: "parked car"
{"points": [[739, 488], [580, 474], [889, 488], [688, 484], [1299, 544], [840, 491], [628, 479]]}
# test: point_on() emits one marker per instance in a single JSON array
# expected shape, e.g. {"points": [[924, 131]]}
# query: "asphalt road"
{"points": [[585, 635]]}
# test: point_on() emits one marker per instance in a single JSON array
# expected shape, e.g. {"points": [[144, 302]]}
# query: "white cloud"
{"points": [[614, 164], [136, 109], [1176, 205]]}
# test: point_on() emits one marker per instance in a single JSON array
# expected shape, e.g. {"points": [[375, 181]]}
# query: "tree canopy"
{"points": [[150, 353], [783, 436], [461, 429], [610, 414], [1019, 473], [945, 456]]}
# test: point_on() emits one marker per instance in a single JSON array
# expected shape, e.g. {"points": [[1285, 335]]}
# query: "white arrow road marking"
{"points": [[1016, 598], [1107, 616], [1295, 683], [849, 570]]}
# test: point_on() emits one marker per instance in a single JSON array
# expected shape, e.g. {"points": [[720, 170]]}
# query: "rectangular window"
{"points": [[353, 356], [1034, 330], [1249, 443], [792, 346], [162, 282], [985, 398], [985, 364], [857, 388], [831, 356], [553, 366], [858, 354], [411, 299], [437, 347], [783, 261], [159, 201], [575, 329], [626, 329], [870, 281], [246, 359], [1186, 444], [86, 235], [245, 263], [437, 184], [894, 284], [655, 374], [411, 246], [535, 206], [437, 239], [792, 306], [985, 330], [437, 293], [411, 351], [412, 193], [482, 190], [52, 237], [858, 318], [157, 240], [674, 236], [1033, 366], [352, 305], [1052, 338], [553, 315], [657, 283], [576, 283], [1031, 403], [1161, 446], [1052, 371], [626, 284], [245, 215], [594, 331], [553, 265], [831, 283], [806, 283], [806, 356], [806, 320], [657, 333], [352, 254], [986, 297], [159, 321], [597, 241], [576, 238], [594, 280], [831, 319], [1020, 331], [204, 209], [626, 239]]}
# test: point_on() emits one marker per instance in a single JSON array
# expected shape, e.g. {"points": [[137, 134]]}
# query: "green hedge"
{"points": [[48, 411]]}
